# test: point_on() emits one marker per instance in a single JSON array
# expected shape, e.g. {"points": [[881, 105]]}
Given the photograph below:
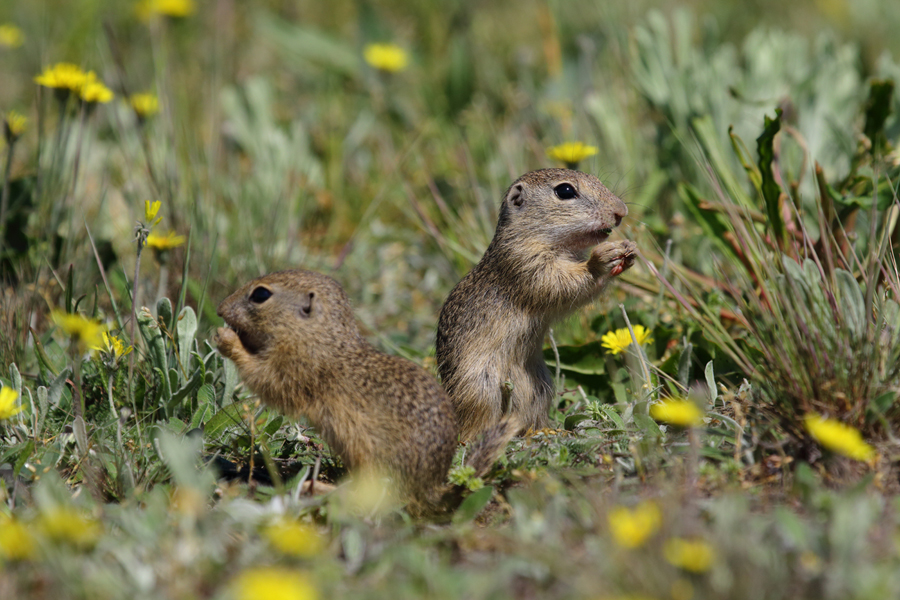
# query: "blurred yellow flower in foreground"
{"points": [[8, 407], [11, 36], [386, 57], [678, 412], [70, 526], [16, 541], [14, 125], [839, 438], [617, 341], [571, 153], [144, 105], [87, 331], [272, 583], [631, 527], [169, 8], [62, 76], [165, 242], [695, 555], [94, 91], [292, 537]]}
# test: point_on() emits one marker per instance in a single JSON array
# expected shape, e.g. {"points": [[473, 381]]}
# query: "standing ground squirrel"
{"points": [[535, 271], [295, 342]]}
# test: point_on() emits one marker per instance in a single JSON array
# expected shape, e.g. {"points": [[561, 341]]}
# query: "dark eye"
{"points": [[565, 191], [260, 295]]}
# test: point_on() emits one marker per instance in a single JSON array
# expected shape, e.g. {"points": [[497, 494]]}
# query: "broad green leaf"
{"points": [[770, 189], [473, 505]]}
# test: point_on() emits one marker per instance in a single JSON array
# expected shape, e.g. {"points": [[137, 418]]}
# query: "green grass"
{"points": [[770, 288]]}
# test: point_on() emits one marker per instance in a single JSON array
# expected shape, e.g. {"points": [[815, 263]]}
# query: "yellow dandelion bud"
{"points": [[14, 125], [16, 540], [272, 583], [692, 555], [632, 527], [165, 242], [678, 412], [94, 91], [8, 406], [386, 57], [294, 538], [11, 36], [617, 341], [571, 153], [144, 105], [150, 211], [838, 437], [70, 526], [62, 76], [86, 331]]}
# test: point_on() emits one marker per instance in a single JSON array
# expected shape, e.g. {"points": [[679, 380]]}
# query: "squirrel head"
{"points": [[292, 314], [561, 208]]}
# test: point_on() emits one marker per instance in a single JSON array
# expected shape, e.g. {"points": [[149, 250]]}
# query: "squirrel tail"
{"points": [[485, 451]]}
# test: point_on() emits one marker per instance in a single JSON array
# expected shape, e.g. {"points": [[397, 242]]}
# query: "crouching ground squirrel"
{"points": [[295, 342], [536, 270]]}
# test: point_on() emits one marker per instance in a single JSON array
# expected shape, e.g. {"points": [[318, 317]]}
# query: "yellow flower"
{"points": [[678, 412], [272, 583], [8, 408], [292, 537], [94, 91], [150, 210], [144, 105], [86, 331], [165, 242], [571, 153], [62, 76], [70, 526], [632, 527], [113, 346], [11, 36], [386, 57], [168, 8], [16, 541], [695, 555], [839, 438], [617, 341], [14, 125]]}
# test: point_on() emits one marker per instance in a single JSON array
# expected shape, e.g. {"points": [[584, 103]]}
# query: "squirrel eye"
{"points": [[565, 191], [260, 295]]}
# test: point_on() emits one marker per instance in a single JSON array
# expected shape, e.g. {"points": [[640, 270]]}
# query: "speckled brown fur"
{"points": [[492, 327], [301, 351]]}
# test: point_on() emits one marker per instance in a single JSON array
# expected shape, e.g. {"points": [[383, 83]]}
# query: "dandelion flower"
{"points": [[292, 537], [386, 57], [16, 540], [272, 583], [94, 91], [571, 153], [839, 438], [150, 211], [165, 242], [694, 555], [112, 346], [65, 77], [144, 105], [617, 341], [11, 36], [14, 125], [70, 526], [678, 412], [86, 331], [632, 527], [178, 9], [8, 407]]}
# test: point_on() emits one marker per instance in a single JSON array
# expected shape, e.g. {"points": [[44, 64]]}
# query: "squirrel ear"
{"points": [[516, 195], [306, 302]]}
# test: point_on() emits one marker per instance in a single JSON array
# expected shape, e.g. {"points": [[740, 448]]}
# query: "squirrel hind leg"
{"points": [[485, 451]]}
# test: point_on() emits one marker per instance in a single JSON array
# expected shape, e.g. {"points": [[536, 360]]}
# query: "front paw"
{"points": [[228, 342], [612, 258]]}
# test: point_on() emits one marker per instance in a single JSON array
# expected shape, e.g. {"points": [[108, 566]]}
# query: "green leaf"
{"points": [[586, 359], [614, 415], [15, 379], [573, 420], [711, 382], [229, 416], [156, 343], [684, 365], [770, 189], [852, 303], [25, 453], [473, 505], [878, 108], [164, 311], [186, 327]]}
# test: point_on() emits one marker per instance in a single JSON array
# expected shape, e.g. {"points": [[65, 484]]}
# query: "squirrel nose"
{"points": [[619, 218]]}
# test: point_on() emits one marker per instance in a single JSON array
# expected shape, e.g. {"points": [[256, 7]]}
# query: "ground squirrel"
{"points": [[294, 340], [535, 270]]}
